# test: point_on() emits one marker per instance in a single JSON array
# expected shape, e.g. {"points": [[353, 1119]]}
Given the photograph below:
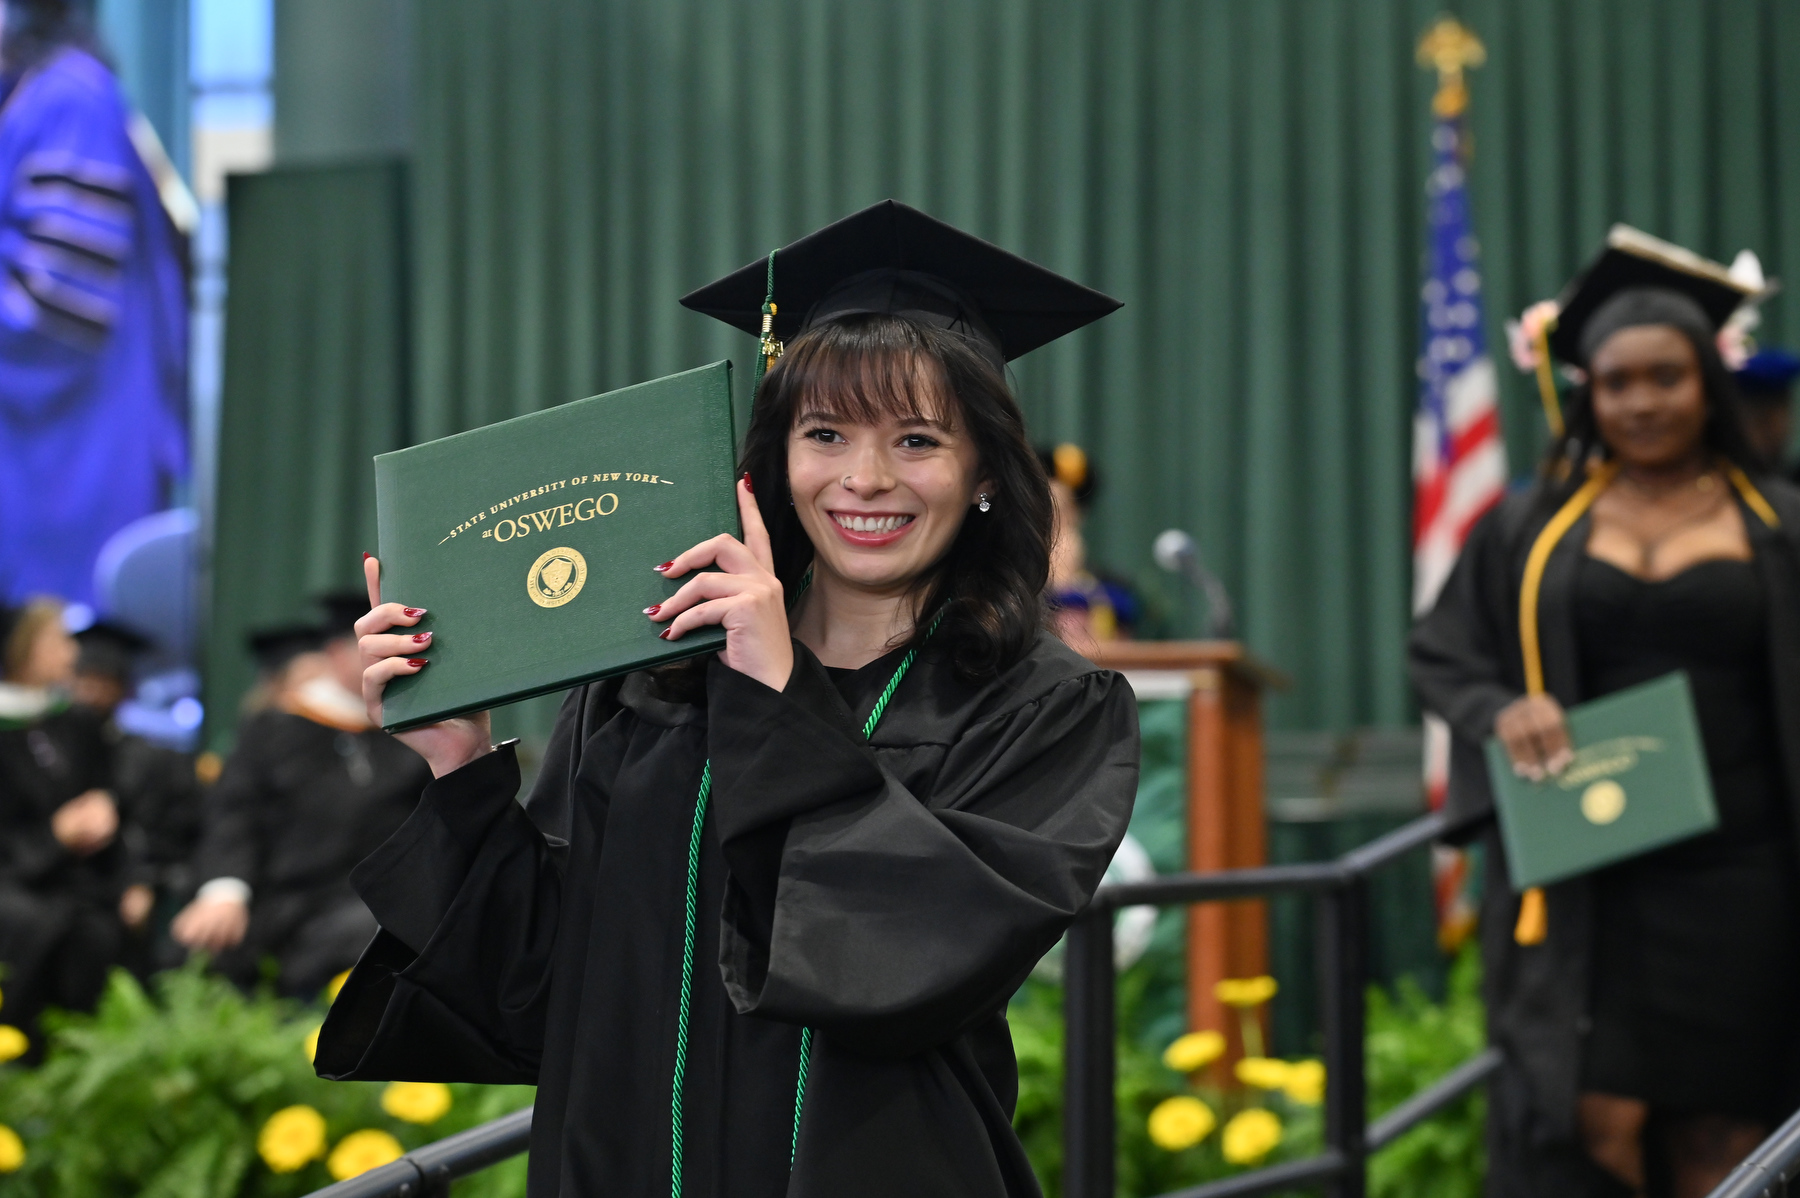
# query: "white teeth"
{"points": [[875, 524]]}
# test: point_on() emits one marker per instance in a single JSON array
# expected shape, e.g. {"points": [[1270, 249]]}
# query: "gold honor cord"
{"points": [[1533, 924]]}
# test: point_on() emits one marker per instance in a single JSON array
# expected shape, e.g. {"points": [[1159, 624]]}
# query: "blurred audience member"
{"points": [[311, 790], [1766, 383], [66, 892], [1088, 606], [158, 789], [93, 309]]}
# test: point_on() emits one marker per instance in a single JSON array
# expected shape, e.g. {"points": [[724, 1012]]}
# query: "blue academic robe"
{"points": [[93, 330]]}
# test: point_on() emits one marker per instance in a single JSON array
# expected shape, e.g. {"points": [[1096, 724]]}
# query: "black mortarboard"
{"points": [[1634, 260], [895, 259], [275, 647], [342, 610], [1770, 373], [109, 649]]}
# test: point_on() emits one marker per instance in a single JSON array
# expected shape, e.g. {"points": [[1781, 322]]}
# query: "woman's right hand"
{"points": [[1536, 736], [445, 746]]}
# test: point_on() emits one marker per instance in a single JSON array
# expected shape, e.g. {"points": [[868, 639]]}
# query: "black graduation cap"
{"points": [[1636, 259], [109, 649], [1768, 373], [893, 258], [342, 610], [275, 647]]}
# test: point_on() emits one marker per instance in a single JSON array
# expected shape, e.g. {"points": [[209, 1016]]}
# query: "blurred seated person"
{"points": [[157, 787], [1766, 383], [66, 892], [1086, 606], [311, 789]]}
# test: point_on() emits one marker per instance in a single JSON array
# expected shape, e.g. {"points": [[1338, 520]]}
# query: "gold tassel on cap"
{"points": [[1534, 919]]}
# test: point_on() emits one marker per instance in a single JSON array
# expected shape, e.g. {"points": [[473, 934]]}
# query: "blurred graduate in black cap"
{"points": [[67, 893], [755, 930], [1646, 1010], [1087, 606], [156, 787], [310, 790], [1766, 382]]}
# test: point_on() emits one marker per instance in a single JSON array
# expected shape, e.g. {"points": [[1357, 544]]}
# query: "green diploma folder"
{"points": [[1638, 781], [530, 543]]}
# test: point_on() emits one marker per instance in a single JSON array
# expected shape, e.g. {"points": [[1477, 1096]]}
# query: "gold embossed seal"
{"points": [[556, 577]]}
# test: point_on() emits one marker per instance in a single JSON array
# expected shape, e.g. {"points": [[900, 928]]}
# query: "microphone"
{"points": [[1177, 552]]}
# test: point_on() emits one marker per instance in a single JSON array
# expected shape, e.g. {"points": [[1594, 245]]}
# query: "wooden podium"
{"points": [[1223, 687]]}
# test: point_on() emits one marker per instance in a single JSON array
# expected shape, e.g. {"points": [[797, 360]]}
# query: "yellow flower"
{"points": [[361, 1151], [334, 985], [1250, 1136], [1196, 1050], [1181, 1122], [13, 1042], [416, 1102], [1306, 1082], [1265, 1073], [1245, 992], [312, 1043], [293, 1137], [12, 1149]]}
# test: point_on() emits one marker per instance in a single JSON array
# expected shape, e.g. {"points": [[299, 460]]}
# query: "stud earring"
{"points": [[982, 501]]}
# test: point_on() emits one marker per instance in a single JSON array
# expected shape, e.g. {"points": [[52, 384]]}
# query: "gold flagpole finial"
{"points": [[1449, 48]]}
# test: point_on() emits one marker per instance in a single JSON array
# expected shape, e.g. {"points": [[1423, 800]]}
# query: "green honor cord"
{"points": [[687, 945]]}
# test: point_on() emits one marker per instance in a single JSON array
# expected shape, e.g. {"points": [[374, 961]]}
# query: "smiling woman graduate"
{"points": [[755, 929]]}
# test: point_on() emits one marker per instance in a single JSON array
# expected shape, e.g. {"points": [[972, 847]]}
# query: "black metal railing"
{"points": [[427, 1172], [1340, 889], [1771, 1170]]}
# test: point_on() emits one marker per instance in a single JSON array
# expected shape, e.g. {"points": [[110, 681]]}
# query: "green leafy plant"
{"points": [[162, 1094], [1411, 1043]]}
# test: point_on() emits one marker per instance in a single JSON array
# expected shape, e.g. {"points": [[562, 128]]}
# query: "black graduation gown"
{"points": [[891, 894], [59, 927], [1466, 665], [298, 804]]}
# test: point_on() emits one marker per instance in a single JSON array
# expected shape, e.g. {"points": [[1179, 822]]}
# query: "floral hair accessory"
{"points": [[1526, 334]]}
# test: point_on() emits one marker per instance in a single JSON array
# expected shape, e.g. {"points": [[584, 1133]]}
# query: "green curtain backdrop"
{"points": [[315, 385], [1248, 177]]}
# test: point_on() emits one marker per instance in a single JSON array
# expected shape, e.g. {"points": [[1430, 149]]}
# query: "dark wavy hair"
{"points": [[865, 367], [1723, 432], [36, 29]]}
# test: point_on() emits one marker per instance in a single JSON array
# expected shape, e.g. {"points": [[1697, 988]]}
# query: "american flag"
{"points": [[1459, 459]]}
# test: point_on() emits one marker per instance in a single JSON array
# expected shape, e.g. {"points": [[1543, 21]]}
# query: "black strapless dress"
{"points": [[1696, 989]]}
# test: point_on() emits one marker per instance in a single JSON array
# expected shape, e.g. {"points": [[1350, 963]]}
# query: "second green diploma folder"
{"points": [[1638, 781], [530, 543]]}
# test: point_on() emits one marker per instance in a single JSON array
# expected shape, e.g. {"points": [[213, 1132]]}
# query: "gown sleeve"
{"points": [[1463, 652], [455, 985], [892, 920]]}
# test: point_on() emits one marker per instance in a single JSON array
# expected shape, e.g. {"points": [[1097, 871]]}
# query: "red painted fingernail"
{"points": [[747, 484], [418, 661], [653, 609], [664, 634], [664, 566], [367, 555], [410, 612], [421, 637]]}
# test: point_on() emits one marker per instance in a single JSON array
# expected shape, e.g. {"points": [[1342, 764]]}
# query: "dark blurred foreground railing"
{"points": [[427, 1172], [1341, 890], [1768, 1172]]}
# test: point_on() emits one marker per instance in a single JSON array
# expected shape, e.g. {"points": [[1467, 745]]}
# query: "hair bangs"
{"points": [[868, 369]]}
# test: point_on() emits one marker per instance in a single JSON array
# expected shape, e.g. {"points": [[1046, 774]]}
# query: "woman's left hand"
{"points": [[744, 597]]}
